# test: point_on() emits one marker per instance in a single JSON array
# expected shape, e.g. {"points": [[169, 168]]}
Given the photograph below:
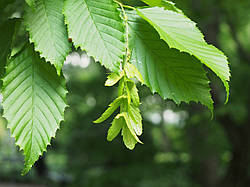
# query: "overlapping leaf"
{"points": [[181, 33], [45, 24], [133, 91], [162, 3], [116, 127], [132, 72], [112, 107], [96, 26], [172, 74], [113, 78], [135, 119], [7, 30], [128, 138], [33, 102]]}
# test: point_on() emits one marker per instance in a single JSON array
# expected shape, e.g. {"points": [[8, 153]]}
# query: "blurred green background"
{"points": [[182, 147]]}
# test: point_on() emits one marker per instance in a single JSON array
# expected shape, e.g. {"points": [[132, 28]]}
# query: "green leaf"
{"points": [[113, 78], [121, 87], [162, 3], [116, 127], [31, 3], [112, 107], [174, 75], [135, 119], [96, 27], [128, 138], [132, 72], [33, 102], [153, 2], [19, 39], [133, 91], [7, 31], [131, 126], [181, 33], [47, 30]]}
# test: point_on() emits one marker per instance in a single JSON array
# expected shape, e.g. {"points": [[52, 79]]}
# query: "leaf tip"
{"points": [[97, 121], [26, 169]]}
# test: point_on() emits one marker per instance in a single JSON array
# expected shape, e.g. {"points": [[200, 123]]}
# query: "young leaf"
{"points": [[47, 30], [113, 78], [121, 87], [33, 102], [181, 33], [128, 138], [133, 91], [174, 75], [135, 119], [132, 72], [131, 125], [96, 26], [112, 107], [116, 127]]}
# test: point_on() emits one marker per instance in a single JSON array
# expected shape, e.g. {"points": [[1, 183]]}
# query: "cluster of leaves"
{"points": [[156, 44]]}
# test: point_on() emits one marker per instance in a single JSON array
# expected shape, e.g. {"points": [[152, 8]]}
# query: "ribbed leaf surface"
{"points": [[33, 102], [172, 74], [128, 138], [181, 33], [96, 26], [45, 23], [116, 127]]}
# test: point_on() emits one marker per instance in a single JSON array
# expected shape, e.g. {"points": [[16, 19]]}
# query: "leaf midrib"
{"points": [[32, 113]]}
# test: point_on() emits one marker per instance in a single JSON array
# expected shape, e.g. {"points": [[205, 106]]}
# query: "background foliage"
{"points": [[183, 146]]}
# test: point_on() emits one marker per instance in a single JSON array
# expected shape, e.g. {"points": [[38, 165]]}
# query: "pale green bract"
{"points": [[128, 138], [113, 78], [135, 118], [111, 109], [172, 74], [132, 72], [181, 33], [116, 127], [131, 125], [96, 26], [47, 30], [129, 120], [33, 102], [132, 89]]}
